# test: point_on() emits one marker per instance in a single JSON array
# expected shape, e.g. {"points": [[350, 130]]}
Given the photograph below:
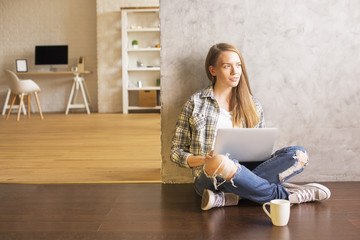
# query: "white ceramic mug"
{"points": [[279, 211]]}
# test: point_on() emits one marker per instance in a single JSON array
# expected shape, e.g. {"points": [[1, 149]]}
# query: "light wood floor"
{"points": [[80, 148]]}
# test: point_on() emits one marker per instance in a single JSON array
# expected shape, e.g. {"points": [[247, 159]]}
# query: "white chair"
{"points": [[22, 88]]}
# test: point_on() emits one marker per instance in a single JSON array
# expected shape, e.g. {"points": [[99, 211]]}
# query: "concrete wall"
{"points": [[303, 62], [26, 23], [109, 51]]}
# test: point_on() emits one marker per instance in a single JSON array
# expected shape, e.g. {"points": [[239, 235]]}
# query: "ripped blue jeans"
{"points": [[263, 183]]}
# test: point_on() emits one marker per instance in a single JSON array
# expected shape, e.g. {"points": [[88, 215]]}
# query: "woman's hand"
{"points": [[211, 153], [195, 161], [209, 156]]}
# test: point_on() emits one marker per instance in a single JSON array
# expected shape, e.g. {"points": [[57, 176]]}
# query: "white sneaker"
{"points": [[307, 193], [212, 199]]}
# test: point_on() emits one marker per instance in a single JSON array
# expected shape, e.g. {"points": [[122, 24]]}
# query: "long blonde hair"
{"points": [[241, 103]]}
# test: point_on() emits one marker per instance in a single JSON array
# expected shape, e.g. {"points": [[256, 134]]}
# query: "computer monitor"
{"points": [[51, 55]]}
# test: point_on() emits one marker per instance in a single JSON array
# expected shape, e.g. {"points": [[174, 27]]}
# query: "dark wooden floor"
{"points": [[157, 211]]}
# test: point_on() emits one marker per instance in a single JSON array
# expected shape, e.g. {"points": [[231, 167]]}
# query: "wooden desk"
{"points": [[79, 84], [52, 73]]}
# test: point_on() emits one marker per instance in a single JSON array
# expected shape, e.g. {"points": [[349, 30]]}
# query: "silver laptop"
{"points": [[245, 144]]}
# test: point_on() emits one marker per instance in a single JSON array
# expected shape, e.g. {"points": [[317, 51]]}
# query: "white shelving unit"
{"points": [[141, 65]]}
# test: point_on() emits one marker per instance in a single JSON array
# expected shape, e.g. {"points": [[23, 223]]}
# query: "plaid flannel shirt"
{"points": [[195, 128]]}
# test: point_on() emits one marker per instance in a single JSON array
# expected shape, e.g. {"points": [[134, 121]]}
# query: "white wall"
{"points": [[302, 59], [26, 23]]}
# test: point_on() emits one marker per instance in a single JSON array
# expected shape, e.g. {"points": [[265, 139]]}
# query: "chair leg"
{"points": [[11, 106], [28, 99], [38, 104], [6, 101], [20, 104]]}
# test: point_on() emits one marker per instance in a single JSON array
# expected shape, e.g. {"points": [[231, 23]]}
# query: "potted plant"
{"points": [[135, 44]]}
